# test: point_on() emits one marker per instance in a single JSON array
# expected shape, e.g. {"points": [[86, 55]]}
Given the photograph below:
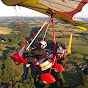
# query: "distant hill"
{"points": [[82, 18]]}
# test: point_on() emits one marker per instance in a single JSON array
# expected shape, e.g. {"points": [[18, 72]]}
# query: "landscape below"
{"points": [[75, 64]]}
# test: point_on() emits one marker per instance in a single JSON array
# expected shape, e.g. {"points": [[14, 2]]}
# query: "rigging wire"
{"points": [[35, 36], [20, 25], [45, 33]]}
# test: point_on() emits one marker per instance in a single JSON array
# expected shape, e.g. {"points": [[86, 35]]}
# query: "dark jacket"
{"points": [[39, 53]]}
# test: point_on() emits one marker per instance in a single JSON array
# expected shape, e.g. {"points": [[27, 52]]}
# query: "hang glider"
{"points": [[44, 63], [62, 10]]}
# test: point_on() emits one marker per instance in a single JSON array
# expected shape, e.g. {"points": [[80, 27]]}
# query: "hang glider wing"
{"points": [[64, 9]]}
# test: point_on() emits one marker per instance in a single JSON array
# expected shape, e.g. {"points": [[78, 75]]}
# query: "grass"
{"points": [[78, 42], [80, 49], [16, 32], [77, 30], [63, 40], [2, 47], [71, 79], [78, 55]]}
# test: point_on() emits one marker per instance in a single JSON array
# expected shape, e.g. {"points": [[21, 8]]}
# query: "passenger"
{"points": [[62, 49], [37, 53]]}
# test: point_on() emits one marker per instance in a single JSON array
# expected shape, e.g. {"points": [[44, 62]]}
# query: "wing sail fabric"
{"points": [[61, 5]]}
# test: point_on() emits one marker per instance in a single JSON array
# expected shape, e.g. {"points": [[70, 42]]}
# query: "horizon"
{"points": [[34, 17]]}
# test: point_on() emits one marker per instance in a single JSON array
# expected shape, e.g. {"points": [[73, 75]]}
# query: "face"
{"points": [[41, 46]]}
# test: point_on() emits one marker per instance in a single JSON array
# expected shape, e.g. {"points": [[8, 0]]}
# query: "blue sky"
{"points": [[21, 11]]}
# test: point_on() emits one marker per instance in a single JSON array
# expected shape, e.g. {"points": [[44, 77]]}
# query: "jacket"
{"points": [[39, 53]]}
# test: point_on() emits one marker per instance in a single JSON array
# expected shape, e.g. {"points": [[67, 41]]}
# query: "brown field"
{"points": [[77, 30], [77, 35], [5, 30]]}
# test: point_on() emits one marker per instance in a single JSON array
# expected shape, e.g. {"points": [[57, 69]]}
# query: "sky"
{"points": [[18, 11], [21, 11], [83, 13]]}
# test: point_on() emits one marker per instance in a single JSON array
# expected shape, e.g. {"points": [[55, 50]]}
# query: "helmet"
{"points": [[43, 43]]}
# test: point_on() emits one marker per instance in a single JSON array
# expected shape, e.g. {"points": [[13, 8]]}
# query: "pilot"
{"points": [[37, 53]]}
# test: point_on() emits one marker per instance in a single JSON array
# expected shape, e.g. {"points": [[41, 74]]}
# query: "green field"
{"points": [[2, 47], [69, 78]]}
